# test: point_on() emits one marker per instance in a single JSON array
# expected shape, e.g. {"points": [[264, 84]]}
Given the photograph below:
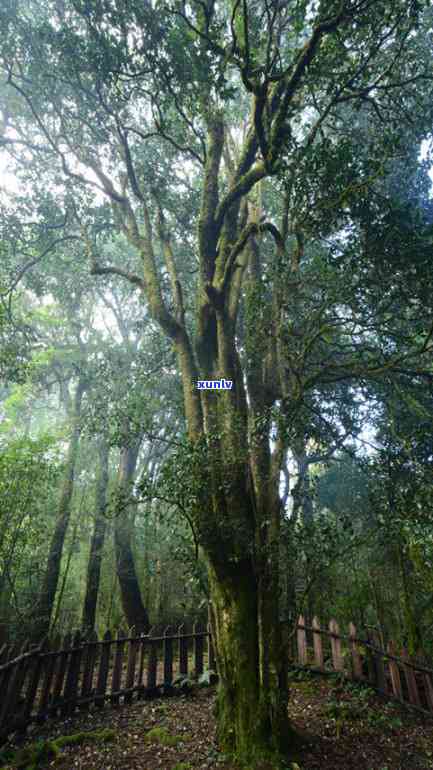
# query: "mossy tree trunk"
{"points": [[98, 539], [132, 603], [252, 665], [44, 607]]}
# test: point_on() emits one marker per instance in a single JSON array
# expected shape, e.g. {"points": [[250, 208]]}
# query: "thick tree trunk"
{"points": [[98, 538], [132, 604], [44, 608], [252, 714]]}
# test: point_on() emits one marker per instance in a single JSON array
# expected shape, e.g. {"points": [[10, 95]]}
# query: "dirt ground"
{"points": [[349, 728]]}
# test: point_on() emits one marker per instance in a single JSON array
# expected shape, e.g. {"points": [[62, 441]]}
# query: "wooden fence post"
{"points": [[378, 655], [72, 676], [168, 656], [61, 671], [370, 661], [132, 662], [117, 669], [34, 679], [10, 653], [410, 680], [317, 643], [355, 656], [427, 680], [395, 673], [183, 651], [198, 649], [11, 695], [142, 645], [152, 663], [90, 656], [337, 657], [104, 665], [50, 666], [301, 639]]}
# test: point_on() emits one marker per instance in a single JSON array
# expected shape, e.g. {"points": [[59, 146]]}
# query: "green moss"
{"points": [[32, 756], [162, 736], [101, 736]]}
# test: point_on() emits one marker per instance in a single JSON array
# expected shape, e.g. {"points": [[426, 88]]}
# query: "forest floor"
{"points": [[350, 728]]}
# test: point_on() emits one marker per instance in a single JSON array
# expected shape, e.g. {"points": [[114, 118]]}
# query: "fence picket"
{"points": [[49, 666], [152, 663], [381, 683], [61, 671], [395, 673], [130, 671], [7, 711], [410, 680], [301, 641], [140, 684], [90, 655], [428, 686], [183, 651], [198, 649], [317, 644], [72, 675], [370, 662], [337, 656], [117, 670], [34, 680], [168, 657], [104, 665], [355, 656]]}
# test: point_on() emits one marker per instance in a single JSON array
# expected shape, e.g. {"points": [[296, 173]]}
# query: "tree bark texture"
{"points": [[98, 538], [132, 603], [45, 604]]}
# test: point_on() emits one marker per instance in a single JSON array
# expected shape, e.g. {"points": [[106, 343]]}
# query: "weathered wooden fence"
{"points": [[58, 677], [409, 680]]}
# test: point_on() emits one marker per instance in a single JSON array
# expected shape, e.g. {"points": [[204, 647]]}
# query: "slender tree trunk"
{"points": [[45, 604], [411, 622], [159, 605], [303, 506], [132, 604], [98, 538]]}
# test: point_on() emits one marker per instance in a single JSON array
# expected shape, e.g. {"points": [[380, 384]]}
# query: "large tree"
{"points": [[239, 148]]}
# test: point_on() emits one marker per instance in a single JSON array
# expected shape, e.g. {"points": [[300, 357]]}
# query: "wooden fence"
{"points": [[55, 679], [409, 680]]}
